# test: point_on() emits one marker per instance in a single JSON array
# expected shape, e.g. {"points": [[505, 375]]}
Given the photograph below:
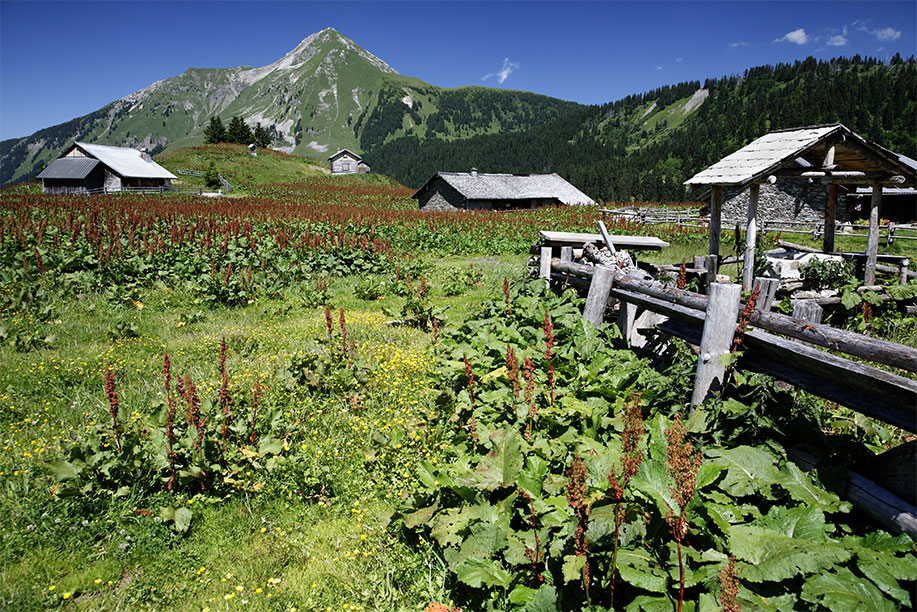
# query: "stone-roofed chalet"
{"points": [[480, 191], [90, 168]]}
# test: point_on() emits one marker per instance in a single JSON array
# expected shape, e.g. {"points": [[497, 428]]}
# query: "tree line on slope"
{"points": [[237, 132], [609, 154]]}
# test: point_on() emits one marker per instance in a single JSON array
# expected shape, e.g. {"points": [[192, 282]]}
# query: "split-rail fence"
{"points": [[776, 344]]}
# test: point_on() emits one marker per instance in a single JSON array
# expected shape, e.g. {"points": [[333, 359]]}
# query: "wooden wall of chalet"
{"points": [[345, 164]]}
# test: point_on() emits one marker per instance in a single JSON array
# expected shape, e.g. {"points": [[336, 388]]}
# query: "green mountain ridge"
{"points": [[644, 146], [326, 94]]}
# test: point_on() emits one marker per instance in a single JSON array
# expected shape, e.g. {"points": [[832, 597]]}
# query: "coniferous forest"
{"points": [[613, 152]]}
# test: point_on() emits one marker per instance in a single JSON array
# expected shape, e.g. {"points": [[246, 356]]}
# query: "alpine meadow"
{"points": [[268, 385]]}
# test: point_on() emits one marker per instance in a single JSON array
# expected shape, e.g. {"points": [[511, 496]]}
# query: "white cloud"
{"points": [[796, 36], [881, 34], [737, 44], [886, 34], [678, 59], [508, 68], [658, 67], [838, 40]]}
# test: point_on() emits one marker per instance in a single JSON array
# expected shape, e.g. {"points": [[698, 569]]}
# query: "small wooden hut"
{"points": [[830, 154], [348, 162]]}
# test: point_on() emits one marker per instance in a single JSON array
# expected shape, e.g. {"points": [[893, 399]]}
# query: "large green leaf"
{"points": [[843, 591], [877, 559], [573, 567], [645, 603], [653, 482], [502, 465], [447, 526], [182, 519], [482, 572], [749, 470], [800, 522], [638, 568], [801, 488], [772, 555]]}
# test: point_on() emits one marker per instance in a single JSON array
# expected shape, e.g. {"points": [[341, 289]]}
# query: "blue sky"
{"points": [[60, 60]]}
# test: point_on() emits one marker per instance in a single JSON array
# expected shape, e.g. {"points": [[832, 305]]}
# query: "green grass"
{"points": [[239, 167], [275, 546]]}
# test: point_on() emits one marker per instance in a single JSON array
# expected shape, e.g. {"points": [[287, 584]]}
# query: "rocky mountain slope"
{"points": [[325, 94]]}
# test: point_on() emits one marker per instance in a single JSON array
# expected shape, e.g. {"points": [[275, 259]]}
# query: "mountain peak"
{"points": [[327, 41]]}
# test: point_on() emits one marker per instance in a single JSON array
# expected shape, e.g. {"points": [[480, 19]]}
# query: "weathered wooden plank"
{"points": [[597, 298], [605, 237], [872, 240], [767, 292], [627, 315], [636, 243], [716, 214], [751, 232], [830, 217], [544, 267], [807, 310], [873, 392], [566, 253], [719, 330]]}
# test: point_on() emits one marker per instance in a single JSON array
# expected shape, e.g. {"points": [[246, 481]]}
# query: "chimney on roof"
{"points": [[145, 154], [474, 172]]}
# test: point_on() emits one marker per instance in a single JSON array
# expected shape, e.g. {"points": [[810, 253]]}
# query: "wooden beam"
{"points": [[751, 232], [830, 218], [872, 239], [606, 237], [597, 298], [566, 253], [719, 330], [828, 162], [716, 214], [544, 268]]}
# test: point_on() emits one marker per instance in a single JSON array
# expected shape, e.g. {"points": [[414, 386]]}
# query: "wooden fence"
{"points": [[710, 321], [692, 218], [226, 184]]}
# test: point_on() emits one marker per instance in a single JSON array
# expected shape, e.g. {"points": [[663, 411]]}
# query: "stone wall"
{"points": [[436, 202], [785, 200]]}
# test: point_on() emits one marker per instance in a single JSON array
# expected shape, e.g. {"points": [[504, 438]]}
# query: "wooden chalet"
{"points": [[829, 154], [348, 162], [91, 168], [478, 191]]}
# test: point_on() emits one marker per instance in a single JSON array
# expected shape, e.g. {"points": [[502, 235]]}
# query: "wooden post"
{"points": [[889, 234], [751, 232], [712, 265], [830, 219], [716, 340], [716, 210], [597, 298], [905, 263], [627, 314], [566, 253], [544, 268], [807, 310], [767, 292], [872, 240]]}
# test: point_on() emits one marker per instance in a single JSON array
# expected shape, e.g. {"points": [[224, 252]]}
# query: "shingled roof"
{"points": [[803, 146], [69, 168], [480, 186], [125, 161]]}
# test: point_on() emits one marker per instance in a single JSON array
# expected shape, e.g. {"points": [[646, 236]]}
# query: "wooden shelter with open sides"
{"points": [[831, 154]]}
